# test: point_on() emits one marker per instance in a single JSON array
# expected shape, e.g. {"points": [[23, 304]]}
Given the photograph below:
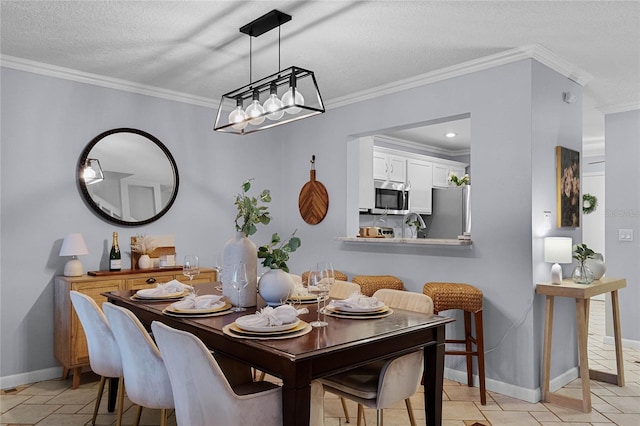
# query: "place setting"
{"points": [[357, 306], [192, 306], [281, 322], [171, 290]]}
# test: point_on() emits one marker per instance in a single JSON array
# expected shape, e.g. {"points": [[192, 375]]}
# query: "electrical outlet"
{"points": [[625, 234]]}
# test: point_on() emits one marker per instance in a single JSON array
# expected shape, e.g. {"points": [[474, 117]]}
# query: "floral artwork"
{"points": [[568, 183]]}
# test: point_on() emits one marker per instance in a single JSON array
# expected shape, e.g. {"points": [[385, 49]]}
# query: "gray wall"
{"points": [[517, 118], [622, 211]]}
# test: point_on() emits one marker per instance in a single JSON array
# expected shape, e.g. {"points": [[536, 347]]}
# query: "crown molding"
{"points": [[102, 81], [534, 51], [613, 109], [420, 147]]}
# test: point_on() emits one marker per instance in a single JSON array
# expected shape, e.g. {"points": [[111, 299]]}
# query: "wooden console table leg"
{"points": [[77, 371], [617, 336], [581, 305], [546, 358]]}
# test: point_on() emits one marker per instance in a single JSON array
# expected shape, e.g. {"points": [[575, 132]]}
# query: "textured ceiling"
{"points": [[194, 47]]}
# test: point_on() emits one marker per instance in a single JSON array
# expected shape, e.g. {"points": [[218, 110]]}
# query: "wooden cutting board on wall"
{"points": [[313, 202]]}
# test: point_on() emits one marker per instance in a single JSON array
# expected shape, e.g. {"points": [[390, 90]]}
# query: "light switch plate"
{"points": [[625, 234]]}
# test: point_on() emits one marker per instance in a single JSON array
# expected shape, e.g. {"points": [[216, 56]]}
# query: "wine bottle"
{"points": [[115, 259]]}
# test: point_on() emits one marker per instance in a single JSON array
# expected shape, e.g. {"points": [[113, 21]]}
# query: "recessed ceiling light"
{"points": [[450, 134]]}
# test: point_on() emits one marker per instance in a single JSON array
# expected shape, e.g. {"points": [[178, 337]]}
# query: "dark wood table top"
{"points": [[343, 344]]}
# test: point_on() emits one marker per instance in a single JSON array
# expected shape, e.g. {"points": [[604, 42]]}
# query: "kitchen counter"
{"points": [[407, 241]]}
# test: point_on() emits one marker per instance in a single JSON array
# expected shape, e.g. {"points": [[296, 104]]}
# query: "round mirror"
{"points": [[128, 176]]}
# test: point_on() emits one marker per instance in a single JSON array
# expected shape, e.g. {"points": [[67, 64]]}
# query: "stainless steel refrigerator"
{"points": [[450, 212]]}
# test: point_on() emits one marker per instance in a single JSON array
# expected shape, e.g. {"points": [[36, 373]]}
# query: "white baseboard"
{"points": [[518, 392], [9, 382], [626, 343]]}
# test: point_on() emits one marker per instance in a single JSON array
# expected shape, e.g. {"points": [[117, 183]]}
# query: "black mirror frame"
{"points": [[87, 197]]}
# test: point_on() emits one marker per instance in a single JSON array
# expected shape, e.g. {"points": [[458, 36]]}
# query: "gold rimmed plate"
{"points": [[150, 294], [204, 315], [221, 306], [242, 324], [360, 315], [301, 329], [306, 299], [378, 307], [235, 328]]}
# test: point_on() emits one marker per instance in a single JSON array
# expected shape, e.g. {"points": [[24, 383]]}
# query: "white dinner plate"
{"points": [[151, 293], [377, 307], [219, 306], [242, 324]]}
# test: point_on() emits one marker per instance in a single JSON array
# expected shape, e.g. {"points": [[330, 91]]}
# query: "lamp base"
{"points": [[73, 268], [556, 274]]}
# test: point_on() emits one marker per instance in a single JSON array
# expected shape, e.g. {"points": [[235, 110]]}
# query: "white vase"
{"points": [[144, 262], [597, 266], [275, 286], [236, 250]]}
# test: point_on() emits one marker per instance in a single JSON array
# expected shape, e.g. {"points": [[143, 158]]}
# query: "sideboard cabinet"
{"points": [[70, 344]]}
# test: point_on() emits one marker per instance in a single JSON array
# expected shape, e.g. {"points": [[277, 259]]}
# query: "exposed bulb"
{"points": [[273, 104], [288, 100], [89, 174], [254, 112], [238, 117]]}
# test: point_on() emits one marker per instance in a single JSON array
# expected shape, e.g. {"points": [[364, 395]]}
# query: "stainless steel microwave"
{"points": [[390, 198]]}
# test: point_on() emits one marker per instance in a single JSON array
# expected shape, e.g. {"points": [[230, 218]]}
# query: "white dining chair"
{"points": [[203, 395], [343, 289], [384, 383], [145, 374], [104, 354]]}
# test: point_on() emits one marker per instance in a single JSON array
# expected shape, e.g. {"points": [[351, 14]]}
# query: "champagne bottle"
{"points": [[115, 259]]}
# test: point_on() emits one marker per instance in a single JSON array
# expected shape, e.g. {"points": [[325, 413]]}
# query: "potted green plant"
{"points": [[252, 211], [582, 274], [276, 284], [464, 180]]}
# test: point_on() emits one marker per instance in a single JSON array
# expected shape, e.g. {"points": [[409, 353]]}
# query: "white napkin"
{"points": [[267, 317], [356, 300], [300, 290], [207, 301], [173, 286]]}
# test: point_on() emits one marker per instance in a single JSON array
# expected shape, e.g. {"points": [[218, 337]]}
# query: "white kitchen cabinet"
{"points": [[389, 167], [441, 173], [420, 179]]}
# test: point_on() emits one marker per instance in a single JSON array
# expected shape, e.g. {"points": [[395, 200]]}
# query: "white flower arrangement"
{"points": [[143, 245], [464, 180]]}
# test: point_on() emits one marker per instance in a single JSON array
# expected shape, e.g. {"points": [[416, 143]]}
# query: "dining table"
{"points": [[345, 343]]}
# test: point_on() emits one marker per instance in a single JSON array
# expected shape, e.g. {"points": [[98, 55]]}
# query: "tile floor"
{"points": [[54, 403]]}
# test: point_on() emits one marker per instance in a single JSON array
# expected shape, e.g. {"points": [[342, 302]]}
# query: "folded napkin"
{"points": [[267, 317], [173, 286], [207, 301], [300, 290], [356, 300]]}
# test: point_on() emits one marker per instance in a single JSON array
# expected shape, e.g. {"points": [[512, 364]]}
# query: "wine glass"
{"points": [[191, 268], [315, 285], [239, 281], [218, 268], [328, 278]]}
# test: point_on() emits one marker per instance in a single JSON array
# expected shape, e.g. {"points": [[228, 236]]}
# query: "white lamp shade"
{"points": [[558, 249], [73, 245]]}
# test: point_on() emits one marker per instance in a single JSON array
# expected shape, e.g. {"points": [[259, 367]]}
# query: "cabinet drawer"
{"points": [[148, 281]]}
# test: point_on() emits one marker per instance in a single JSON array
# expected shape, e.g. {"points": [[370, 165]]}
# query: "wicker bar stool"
{"points": [[369, 284], [468, 298]]}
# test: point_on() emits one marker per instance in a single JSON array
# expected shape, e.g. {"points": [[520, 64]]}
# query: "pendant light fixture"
{"points": [[290, 94]]}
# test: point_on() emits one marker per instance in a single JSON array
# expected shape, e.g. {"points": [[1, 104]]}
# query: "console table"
{"points": [[582, 294], [70, 344]]}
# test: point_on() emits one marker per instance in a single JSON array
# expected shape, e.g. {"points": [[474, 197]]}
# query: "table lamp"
{"points": [[557, 250], [73, 245]]}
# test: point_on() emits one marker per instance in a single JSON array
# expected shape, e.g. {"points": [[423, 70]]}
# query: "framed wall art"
{"points": [[568, 187]]}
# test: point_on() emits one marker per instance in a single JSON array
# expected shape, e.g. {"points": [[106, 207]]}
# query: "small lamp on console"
{"points": [[73, 245], [557, 250]]}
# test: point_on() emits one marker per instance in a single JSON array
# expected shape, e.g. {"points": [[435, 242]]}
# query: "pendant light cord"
{"points": [[250, 60]]}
